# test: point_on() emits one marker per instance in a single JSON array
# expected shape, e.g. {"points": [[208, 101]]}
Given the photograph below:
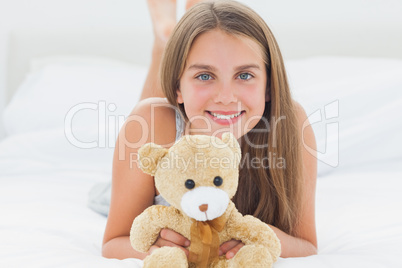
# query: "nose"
{"points": [[225, 94], [203, 207]]}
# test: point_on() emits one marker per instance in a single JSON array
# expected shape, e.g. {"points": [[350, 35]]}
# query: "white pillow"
{"points": [[97, 89], [354, 107]]}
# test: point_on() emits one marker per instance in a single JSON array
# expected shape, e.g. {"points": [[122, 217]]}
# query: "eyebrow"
{"points": [[212, 69], [247, 66]]}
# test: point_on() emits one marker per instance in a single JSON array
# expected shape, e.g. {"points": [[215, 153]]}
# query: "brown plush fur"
{"points": [[262, 246]]}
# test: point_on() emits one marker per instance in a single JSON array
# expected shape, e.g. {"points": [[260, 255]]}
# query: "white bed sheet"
{"points": [[45, 180], [45, 220]]}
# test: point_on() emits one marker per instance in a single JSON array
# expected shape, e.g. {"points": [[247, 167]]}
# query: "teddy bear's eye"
{"points": [[218, 181], [190, 184]]}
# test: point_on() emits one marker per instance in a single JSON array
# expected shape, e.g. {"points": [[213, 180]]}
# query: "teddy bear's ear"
{"points": [[149, 155], [231, 141]]}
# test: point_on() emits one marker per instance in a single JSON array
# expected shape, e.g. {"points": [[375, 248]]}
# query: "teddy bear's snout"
{"points": [[204, 203], [203, 207]]}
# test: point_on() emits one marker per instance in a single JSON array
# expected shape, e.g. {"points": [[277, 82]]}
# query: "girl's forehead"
{"points": [[217, 44]]}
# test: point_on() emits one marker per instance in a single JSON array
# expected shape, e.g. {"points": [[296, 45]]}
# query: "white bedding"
{"points": [[45, 180]]}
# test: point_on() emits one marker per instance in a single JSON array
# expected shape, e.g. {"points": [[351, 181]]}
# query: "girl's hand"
{"points": [[230, 248], [170, 238]]}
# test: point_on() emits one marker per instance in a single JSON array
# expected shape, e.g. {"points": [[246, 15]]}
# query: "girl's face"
{"points": [[223, 84]]}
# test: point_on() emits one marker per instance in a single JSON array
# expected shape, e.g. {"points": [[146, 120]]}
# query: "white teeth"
{"points": [[222, 116]]}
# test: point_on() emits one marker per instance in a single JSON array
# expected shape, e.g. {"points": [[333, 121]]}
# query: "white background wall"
{"points": [[381, 14], [69, 13], [59, 14], [126, 13]]}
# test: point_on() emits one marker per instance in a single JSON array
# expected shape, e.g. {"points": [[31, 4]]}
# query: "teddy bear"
{"points": [[198, 176]]}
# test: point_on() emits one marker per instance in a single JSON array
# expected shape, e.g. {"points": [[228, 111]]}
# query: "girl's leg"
{"points": [[163, 16], [190, 3]]}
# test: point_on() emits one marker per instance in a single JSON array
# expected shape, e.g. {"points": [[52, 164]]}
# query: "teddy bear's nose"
{"points": [[203, 207]]}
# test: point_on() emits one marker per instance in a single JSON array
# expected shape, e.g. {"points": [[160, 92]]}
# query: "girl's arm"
{"points": [[305, 243], [132, 190]]}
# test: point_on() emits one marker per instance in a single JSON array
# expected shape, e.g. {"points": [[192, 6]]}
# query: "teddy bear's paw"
{"points": [[166, 257], [251, 256], [220, 263]]}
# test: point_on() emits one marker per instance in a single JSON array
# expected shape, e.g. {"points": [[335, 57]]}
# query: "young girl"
{"points": [[223, 71]]}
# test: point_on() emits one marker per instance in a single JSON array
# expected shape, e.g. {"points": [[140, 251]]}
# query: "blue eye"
{"points": [[245, 76], [204, 77]]}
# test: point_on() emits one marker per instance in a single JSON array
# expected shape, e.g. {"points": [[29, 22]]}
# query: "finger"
{"points": [[174, 237], [225, 247], [166, 243], [231, 253], [152, 248]]}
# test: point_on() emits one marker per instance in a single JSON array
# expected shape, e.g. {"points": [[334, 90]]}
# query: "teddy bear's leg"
{"points": [[166, 257], [251, 256]]}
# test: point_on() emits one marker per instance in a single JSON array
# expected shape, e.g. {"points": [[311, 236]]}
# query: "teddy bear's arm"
{"points": [[251, 230], [147, 226]]}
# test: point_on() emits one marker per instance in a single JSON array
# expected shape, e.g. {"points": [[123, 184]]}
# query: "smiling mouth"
{"points": [[225, 116]]}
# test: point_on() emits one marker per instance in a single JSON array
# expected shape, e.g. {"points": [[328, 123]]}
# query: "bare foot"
{"points": [[190, 3], [163, 16]]}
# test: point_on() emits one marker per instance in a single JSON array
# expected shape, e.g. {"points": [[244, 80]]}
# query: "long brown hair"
{"points": [[273, 192]]}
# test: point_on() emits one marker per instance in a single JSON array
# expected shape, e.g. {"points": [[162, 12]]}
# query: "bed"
{"points": [[67, 89]]}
